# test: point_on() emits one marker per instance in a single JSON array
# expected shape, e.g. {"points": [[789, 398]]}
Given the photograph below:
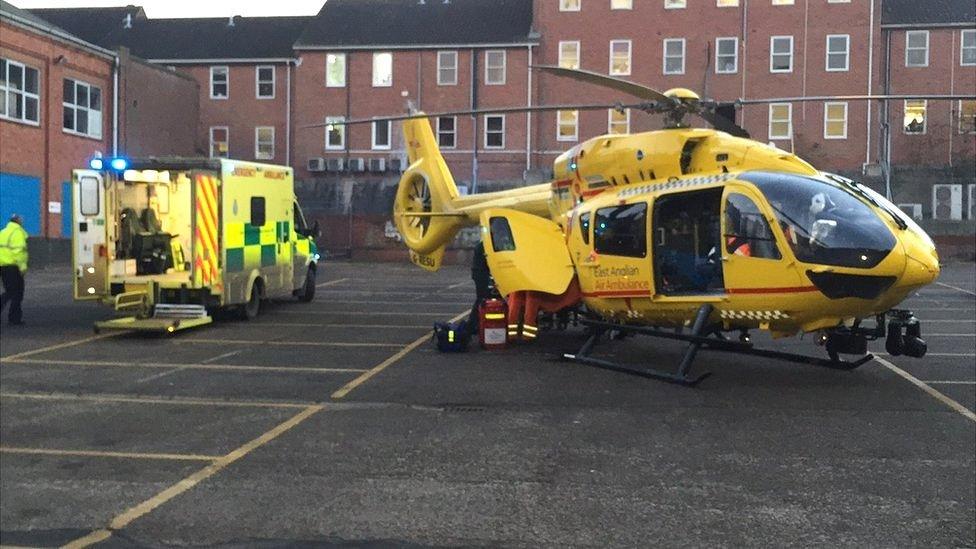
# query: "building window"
{"points": [[82, 109], [967, 54], [382, 70], [783, 2], [447, 132], [219, 83], [19, 92], [674, 4], [726, 3], [495, 67], [967, 116], [674, 56], [917, 49], [335, 134], [727, 55], [835, 120], [495, 131], [914, 123], [219, 142], [620, 57], [838, 52], [781, 54], [569, 54], [265, 77], [447, 65], [264, 143], [780, 121], [618, 122], [569, 5], [381, 135], [567, 125], [335, 70], [621, 4]]}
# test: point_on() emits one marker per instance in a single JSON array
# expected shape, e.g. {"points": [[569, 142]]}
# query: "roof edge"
{"points": [[378, 47], [959, 25], [57, 33]]}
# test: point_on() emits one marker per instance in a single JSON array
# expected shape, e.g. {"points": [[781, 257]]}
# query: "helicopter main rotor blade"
{"points": [[722, 123], [619, 84], [930, 97]]}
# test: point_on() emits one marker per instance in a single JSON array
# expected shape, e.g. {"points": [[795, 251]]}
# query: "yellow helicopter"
{"points": [[657, 232]]}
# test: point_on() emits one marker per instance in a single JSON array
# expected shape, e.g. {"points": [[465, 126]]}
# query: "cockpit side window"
{"points": [[747, 232], [502, 239], [584, 227]]}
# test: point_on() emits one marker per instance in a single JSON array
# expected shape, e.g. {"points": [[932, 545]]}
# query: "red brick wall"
{"points": [[46, 151]]}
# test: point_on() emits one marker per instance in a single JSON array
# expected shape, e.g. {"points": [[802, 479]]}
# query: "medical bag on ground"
{"points": [[451, 337]]}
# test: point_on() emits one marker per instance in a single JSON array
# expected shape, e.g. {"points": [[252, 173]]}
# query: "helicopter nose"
{"points": [[920, 271]]}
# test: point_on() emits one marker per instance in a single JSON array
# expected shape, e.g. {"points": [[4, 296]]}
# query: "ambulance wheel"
{"points": [[250, 310], [308, 289]]}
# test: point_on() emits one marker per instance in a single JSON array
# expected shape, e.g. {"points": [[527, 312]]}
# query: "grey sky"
{"points": [[191, 8]]}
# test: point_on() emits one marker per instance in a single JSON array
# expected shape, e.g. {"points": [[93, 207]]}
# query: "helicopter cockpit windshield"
{"points": [[824, 223]]}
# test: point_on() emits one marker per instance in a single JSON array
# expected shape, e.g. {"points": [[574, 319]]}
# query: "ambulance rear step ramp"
{"points": [[167, 318]]}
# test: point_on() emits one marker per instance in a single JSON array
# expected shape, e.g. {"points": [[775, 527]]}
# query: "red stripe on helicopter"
{"points": [[796, 290], [562, 184]]}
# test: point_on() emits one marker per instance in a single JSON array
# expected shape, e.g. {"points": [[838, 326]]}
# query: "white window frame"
{"points": [[377, 83], [963, 48], [559, 125], [485, 121], [925, 117], [838, 1], [826, 110], [675, 4], [389, 136], [630, 58], [576, 43], [453, 133], [735, 54], [226, 133], [342, 133], [828, 53], [94, 127], [773, 54], [257, 143], [488, 67], [909, 49], [336, 57], [621, 4], [782, 2], [226, 70], [664, 53], [565, 5], [960, 129], [25, 95], [610, 121], [441, 67], [727, 3], [257, 81], [789, 120]]}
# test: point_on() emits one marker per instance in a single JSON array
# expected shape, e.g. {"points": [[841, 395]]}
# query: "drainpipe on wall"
{"points": [[886, 123], [474, 125], [745, 39], [528, 119], [288, 116], [867, 145], [115, 106]]}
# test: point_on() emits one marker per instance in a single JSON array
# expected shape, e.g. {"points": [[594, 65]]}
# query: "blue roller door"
{"points": [[21, 194]]}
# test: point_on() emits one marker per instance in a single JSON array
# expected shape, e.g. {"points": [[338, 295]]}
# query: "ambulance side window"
{"points": [[88, 203], [299, 220], [747, 232], [257, 211], [584, 225]]}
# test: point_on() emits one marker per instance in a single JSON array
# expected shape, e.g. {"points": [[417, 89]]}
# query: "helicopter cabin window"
{"points": [[619, 122], [620, 57], [621, 230], [727, 55], [584, 227], [567, 125], [915, 116], [569, 5], [258, 214], [502, 239], [569, 54], [674, 55], [688, 243], [747, 232]]}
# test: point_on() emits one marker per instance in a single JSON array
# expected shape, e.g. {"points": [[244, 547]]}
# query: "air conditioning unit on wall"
{"points": [[357, 165], [336, 165], [947, 202], [316, 164], [377, 165], [913, 210]]}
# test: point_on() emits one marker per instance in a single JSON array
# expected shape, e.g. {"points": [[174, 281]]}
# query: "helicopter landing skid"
{"points": [[698, 339]]}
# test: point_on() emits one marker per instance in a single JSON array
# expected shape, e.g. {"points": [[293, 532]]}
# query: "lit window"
{"points": [[569, 5], [780, 121], [219, 84], [264, 76], [674, 4], [495, 67], [567, 123], [569, 55], [219, 142], [782, 2], [618, 122], [335, 134], [838, 52], [674, 56], [382, 130], [838, 1], [447, 64], [781, 54], [447, 132], [835, 121], [727, 55], [382, 70], [335, 70], [917, 49], [495, 131], [726, 3], [967, 116], [82, 109], [19, 95], [620, 57], [264, 143], [967, 55], [621, 4], [914, 122]]}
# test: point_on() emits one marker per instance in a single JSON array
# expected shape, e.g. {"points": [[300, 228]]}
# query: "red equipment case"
{"points": [[493, 324]]}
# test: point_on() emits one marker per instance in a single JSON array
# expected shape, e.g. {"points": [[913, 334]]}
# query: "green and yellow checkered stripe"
{"points": [[249, 247]]}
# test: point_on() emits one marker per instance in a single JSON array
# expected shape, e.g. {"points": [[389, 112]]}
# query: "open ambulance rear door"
{"points": [[89, 247]]}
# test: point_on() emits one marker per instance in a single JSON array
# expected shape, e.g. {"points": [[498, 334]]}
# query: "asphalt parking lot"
{"points": [[336, 423]]}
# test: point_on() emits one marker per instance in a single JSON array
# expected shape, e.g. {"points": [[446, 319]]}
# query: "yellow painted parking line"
{"points": [[957, 288], [96, 453], [348, 387], [58, 346], [287, 343], [232, 367], [950, 382], [156, 400], [331, 283], [141, 509], [962, 410]]}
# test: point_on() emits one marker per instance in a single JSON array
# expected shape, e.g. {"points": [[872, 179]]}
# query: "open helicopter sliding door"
{"points": [[525, 252], [688, 243]]}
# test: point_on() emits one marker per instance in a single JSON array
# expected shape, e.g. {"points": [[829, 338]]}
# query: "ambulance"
{"points": [[168, 241]]}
